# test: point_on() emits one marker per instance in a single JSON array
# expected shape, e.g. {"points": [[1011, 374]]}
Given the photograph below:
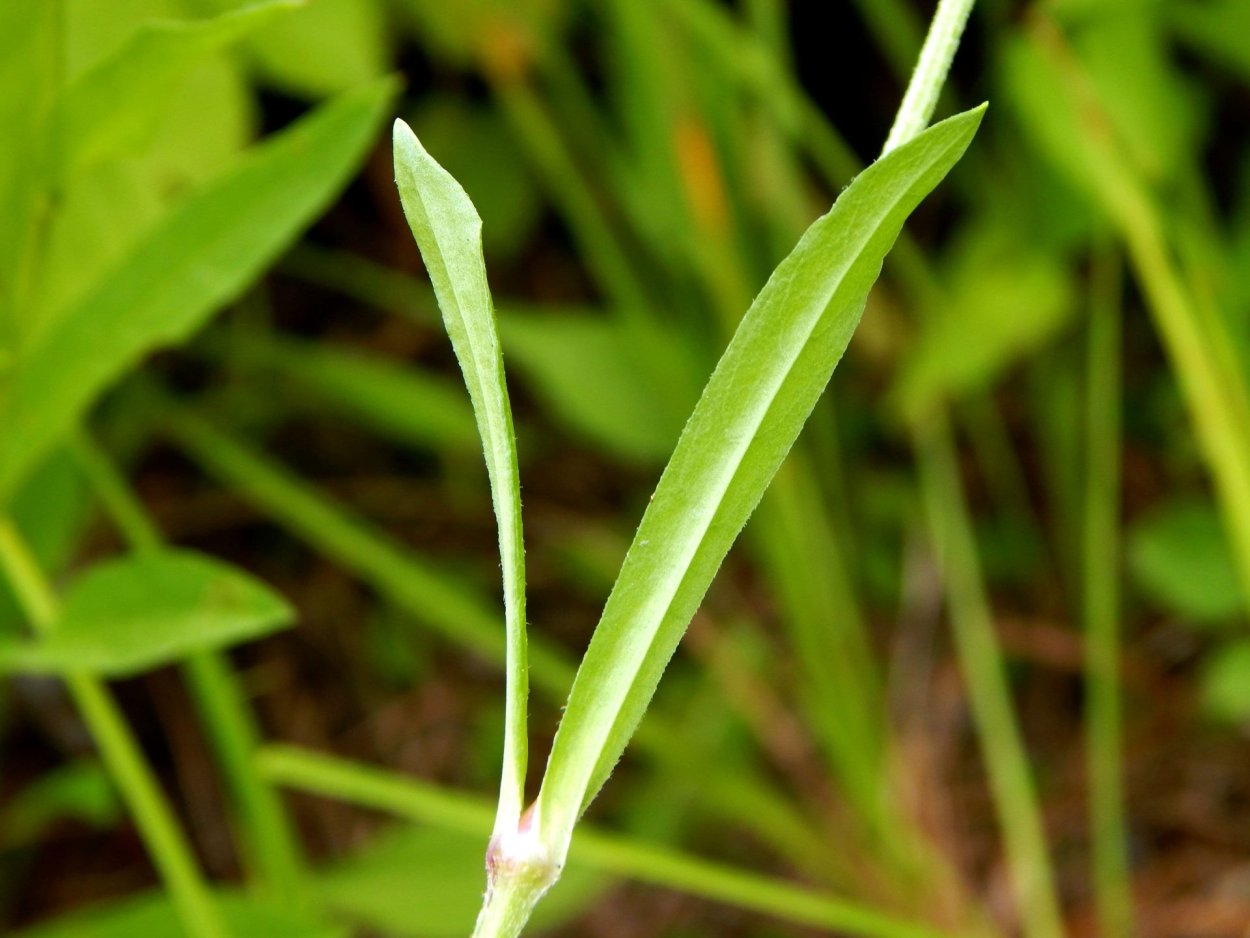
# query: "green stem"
{"points": [[134, 778], [1102, 599], [269, 841], [620, 856], [926, 82], [981, 661]]}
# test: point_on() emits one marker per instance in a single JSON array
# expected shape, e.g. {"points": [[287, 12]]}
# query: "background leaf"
{"points": [[581, 367], [111, 109], [126, 616], [1004, 299], [1180, 557], [201, 256]]}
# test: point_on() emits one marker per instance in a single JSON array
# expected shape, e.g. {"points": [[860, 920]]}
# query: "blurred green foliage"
{"points": [[640, 166]]}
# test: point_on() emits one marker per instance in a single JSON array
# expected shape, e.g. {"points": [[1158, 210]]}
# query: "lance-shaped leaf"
{"points": [[749, 416], [449, 233], [126, 616], [200, 257]]}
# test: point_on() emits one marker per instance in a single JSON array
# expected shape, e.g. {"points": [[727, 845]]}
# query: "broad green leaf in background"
{"points": [[581, 367], [752, 409], [1180, 557], [449, 233], [199, 257], [100, 215], [28, 70], [78, 790], [150, 150], [126, 616], [1226, 682], [112, 108], [326, 47], [1156, 114], [1004, 298], [211, 120], [153, 916], [419, 882], [94, 31]]}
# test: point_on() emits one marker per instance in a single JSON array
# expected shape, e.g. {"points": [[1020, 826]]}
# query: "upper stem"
{"points": [[930, 74]]}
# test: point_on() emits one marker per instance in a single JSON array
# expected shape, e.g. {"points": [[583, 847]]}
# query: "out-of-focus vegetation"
{"points": [[977, 665]]}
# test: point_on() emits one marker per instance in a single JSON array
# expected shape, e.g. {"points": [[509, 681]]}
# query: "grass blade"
{"points": [[749, 416], [449, 232], [133, 614], [981, 661], [1104, 743]]}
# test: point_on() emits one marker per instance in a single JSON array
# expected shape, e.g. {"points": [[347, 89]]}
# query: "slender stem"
{"points": [[981, 661], [134, 778], [268, 837], [1102, 599], [413, 800], [926, 82]]}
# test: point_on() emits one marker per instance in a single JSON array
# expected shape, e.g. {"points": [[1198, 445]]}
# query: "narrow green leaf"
{"points": [[126, 616], [449, 233], [112, 109], [752, 409], [198, 258]]}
